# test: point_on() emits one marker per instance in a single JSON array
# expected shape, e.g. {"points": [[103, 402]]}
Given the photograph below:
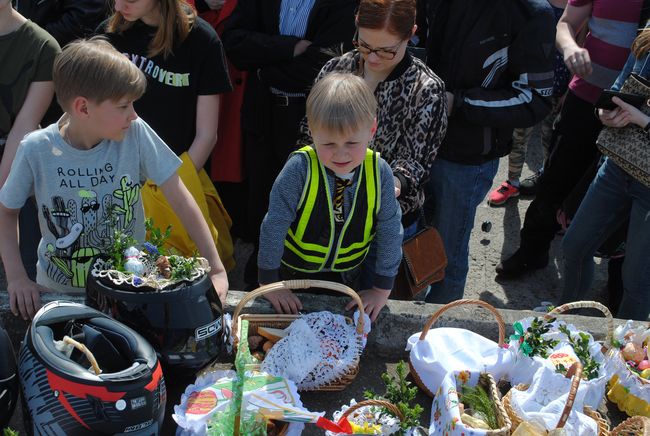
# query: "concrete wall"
{"points": [[397, 322]]}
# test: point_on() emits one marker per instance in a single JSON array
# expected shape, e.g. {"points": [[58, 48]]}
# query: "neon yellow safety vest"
{"points": [[311, 244]]}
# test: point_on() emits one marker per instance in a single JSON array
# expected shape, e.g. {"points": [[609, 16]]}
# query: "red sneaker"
{"points": [[502, 194]]}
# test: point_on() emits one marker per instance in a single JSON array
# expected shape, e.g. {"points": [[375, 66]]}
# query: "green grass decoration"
{"points": [[477, 399], [400, 393], [580, 344]]}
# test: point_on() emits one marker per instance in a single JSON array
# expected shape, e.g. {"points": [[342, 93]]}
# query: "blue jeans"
{"points": [[455, 191], [612, 197]]}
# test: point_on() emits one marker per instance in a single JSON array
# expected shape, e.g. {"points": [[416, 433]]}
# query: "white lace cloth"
{"points": [[525, 367], [545, 399], [150, 277], [447, 349], [389, 424], [320, 348]]}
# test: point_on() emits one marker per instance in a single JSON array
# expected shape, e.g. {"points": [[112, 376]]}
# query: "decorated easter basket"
{"points": [[431, 347], [576, 376], [447, 418], [634, 426], [281, 321], [609, 319], [365, 413], [627, 388], [563, 343]]}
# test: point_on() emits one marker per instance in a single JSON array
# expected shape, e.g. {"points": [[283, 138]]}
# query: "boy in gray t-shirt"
{"points": [[85, 172]]}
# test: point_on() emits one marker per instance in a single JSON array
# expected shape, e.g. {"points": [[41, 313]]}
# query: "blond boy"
{"points": [[85, 172], [332, 210]]}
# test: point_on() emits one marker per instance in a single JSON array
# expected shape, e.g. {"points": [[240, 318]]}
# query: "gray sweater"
{"points": [[385, 249]]}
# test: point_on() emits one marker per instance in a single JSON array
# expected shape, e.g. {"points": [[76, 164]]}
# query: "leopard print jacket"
{"points": [[411, 119]]}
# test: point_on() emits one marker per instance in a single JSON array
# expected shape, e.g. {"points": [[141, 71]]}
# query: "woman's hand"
{"points": [[623, 115], [577, 60]]}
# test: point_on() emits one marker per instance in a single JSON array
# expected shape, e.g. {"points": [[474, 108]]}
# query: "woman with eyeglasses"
{"points": [[411, 120]]}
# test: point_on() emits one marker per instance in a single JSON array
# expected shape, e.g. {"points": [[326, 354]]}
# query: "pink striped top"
{"points": [[612, 28]]}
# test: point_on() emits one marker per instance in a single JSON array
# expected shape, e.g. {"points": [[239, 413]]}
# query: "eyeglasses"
{"points": [[87, 207], [386, 53]]}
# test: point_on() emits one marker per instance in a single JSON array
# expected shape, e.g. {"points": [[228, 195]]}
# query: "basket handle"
{"points": [[89, 355], [464, 302], [588, 305], [575, 372], [379, 403], [296, 284]]}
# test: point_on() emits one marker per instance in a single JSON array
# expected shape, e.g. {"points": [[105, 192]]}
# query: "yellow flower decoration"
{"points": [[365, 428]]}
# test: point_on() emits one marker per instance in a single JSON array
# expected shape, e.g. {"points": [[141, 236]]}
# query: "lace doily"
{"points": [[150, 277], [320, 348], [545, 399], [525, 367], [371, 415]]}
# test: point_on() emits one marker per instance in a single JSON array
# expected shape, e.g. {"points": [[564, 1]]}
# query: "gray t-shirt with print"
{"points": [[82, 196]]}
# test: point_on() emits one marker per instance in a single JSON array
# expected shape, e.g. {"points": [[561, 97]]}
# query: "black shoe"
{"points": [[519, 263], [529, 185]]}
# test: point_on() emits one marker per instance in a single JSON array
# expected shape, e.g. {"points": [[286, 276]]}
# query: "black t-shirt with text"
{"points": [[196, 67]]}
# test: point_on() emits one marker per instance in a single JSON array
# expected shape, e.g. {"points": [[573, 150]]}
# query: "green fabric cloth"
{"points": [[27, 56]]}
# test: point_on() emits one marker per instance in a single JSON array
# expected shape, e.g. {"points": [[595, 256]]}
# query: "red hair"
{"points": [[396, 16]]}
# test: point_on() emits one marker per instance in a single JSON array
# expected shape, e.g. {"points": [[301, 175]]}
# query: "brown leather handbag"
{"points": [[423, 262]]}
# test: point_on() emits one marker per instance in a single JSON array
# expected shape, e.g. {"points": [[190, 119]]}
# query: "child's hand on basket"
{"points": [[220, 283], [373, 301], [284, 301]]}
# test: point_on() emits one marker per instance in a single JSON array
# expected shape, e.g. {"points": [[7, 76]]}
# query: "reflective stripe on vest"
{"points": [[310, 244]]}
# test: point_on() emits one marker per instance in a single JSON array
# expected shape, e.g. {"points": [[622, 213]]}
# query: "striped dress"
{"points": [[612, 28]]}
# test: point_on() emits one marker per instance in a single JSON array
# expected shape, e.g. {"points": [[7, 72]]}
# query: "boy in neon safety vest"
{"points": [[332, 211]]}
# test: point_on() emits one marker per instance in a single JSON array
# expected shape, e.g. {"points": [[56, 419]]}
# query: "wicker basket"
{"points": [[393, 409], [437, 315], [634, 426], [588, 305], [575, 372], [487, 381], [282, 321]]}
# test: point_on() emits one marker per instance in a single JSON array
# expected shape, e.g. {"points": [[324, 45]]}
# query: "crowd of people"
{"points": [[334, 130]]}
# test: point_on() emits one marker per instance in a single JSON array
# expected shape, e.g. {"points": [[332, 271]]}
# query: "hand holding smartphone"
{"points": [[605, 99]]}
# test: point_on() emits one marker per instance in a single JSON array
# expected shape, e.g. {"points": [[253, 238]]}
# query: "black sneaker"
{"points": [[529, 185], [520, 263]]}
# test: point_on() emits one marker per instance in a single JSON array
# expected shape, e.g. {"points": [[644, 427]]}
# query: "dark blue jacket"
{"points": [[496, 57]]}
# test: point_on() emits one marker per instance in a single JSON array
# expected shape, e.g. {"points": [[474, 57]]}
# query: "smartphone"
{"points": [[605, 99]]}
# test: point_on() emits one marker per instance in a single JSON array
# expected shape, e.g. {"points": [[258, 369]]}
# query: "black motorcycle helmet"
{"points": [[8, 379], [61, 395], [184, 323]]}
